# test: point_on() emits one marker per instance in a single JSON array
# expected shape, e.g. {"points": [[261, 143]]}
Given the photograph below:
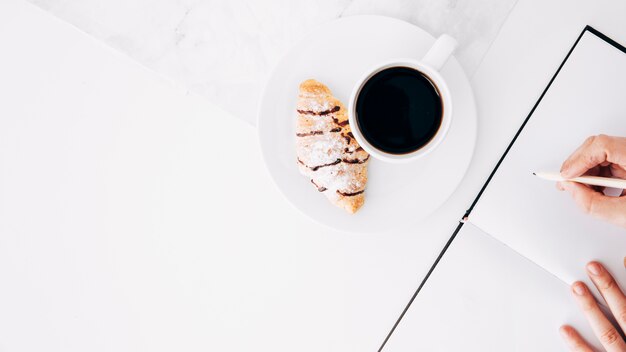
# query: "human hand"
{"points": [[609, 335], [598, 156]]}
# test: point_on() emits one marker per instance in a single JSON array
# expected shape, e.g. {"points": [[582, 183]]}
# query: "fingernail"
{"points": [[579, 288], [564, 331], [594, 268]]}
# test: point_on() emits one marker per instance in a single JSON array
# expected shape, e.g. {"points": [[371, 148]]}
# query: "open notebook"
{"points": [[502, 282]]}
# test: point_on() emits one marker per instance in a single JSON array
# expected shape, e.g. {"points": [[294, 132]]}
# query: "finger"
{"points": [[574, 341], [590, 154], [617, 171], [596, 150], [559, 186], [610, 291], [597, 204], [603, 329]]}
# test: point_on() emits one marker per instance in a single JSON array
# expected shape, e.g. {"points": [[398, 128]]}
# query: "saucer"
{"points": [[337, 54]]}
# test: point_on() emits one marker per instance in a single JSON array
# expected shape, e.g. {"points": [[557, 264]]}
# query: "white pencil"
{"points": [[588, 180]]}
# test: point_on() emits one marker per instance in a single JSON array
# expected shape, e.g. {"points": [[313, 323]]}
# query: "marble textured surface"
{"points": [[224, 50]]}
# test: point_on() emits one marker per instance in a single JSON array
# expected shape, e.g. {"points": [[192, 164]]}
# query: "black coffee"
{"points": [[399, 110]]}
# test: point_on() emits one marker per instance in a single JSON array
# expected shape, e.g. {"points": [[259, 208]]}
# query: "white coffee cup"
{"points": [[429, 66]]}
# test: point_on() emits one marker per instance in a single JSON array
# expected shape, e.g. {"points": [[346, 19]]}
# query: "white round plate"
{"points": [[337, 54]]}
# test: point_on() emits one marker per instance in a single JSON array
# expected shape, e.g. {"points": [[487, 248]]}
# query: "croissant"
{"points": [[327, 152]]}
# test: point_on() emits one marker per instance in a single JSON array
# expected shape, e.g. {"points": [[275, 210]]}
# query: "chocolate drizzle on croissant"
{"points": [[345, 194], [319, 113], [347, 161], [312, 133], [356, 161], [317, 167], [320, 189]]}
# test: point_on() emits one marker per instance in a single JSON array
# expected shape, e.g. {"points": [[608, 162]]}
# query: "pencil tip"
{"points": [[534, 174]]}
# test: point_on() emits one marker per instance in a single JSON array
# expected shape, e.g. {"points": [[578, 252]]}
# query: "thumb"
{"points": [[612, 209]]}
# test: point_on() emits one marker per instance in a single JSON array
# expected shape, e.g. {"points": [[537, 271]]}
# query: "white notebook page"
{"points": [[483, 296], [528, 214]]}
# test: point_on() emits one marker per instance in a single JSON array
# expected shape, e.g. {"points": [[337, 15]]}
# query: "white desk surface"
{"points": [[120, 233], [224, 50]]}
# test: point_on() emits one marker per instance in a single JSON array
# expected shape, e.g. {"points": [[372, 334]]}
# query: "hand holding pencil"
{"points": [[587, 169]]}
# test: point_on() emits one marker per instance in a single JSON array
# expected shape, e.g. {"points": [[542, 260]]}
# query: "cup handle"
{"points": [[440, 52]]}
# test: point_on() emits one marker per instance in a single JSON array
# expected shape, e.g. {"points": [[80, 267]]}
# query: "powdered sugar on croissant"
{"points": [[327, 152]]}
